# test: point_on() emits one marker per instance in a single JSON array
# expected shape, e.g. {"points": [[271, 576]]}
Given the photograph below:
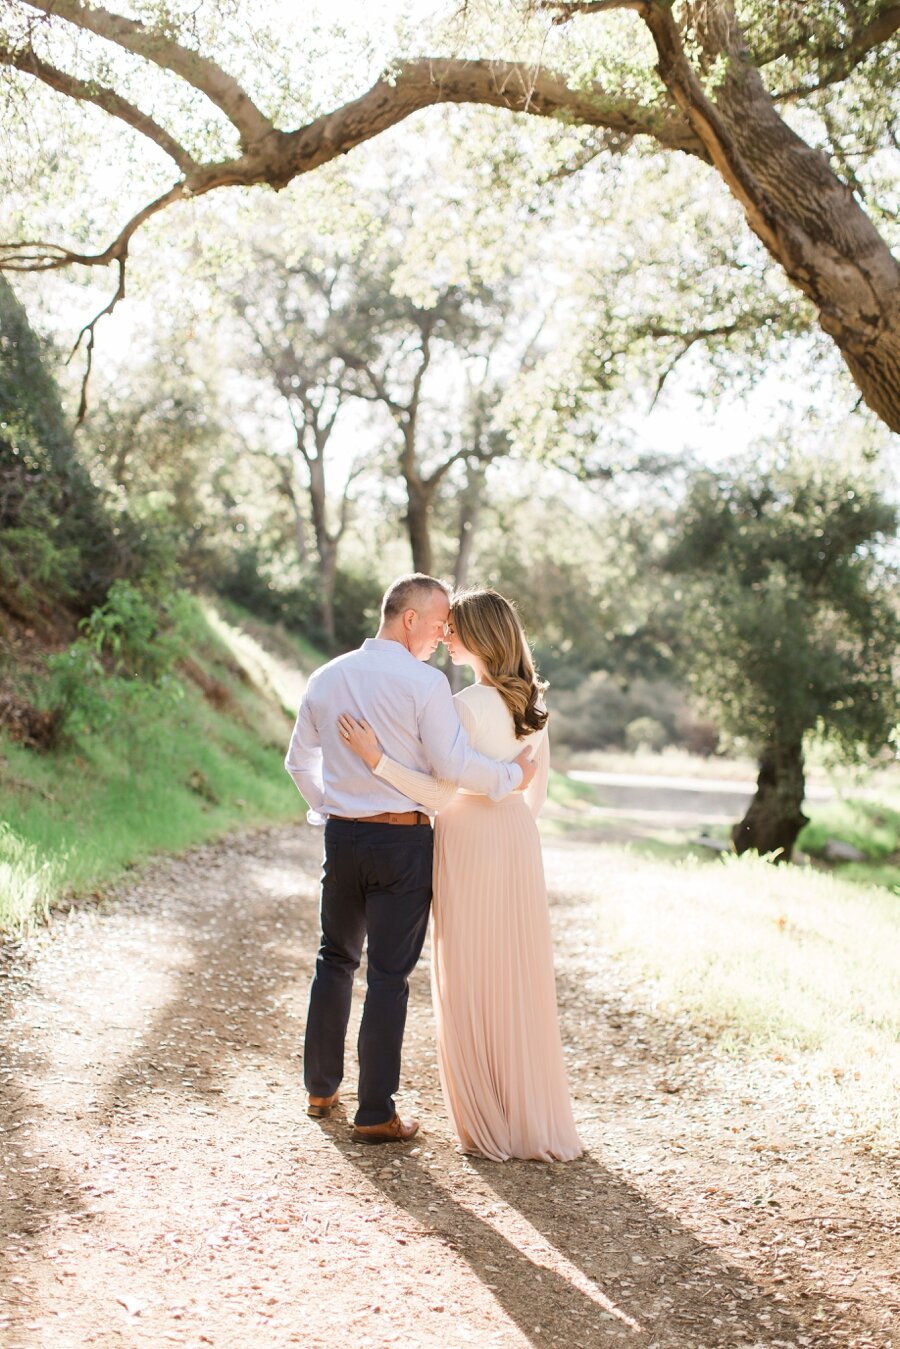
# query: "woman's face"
{"points": [[458, 653]]}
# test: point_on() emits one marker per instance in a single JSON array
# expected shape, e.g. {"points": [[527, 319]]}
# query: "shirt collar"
{"points": [[385, 644]]}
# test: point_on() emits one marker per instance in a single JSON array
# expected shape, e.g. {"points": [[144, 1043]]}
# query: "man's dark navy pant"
{"points": [[376, 883]]}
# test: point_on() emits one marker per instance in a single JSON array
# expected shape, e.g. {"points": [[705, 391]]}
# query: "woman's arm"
{"points": [[430, 792]]}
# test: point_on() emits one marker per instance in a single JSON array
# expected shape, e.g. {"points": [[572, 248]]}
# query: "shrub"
{"points": [[122, 668], [697, 735], [599, 710], [35, 572], [247, 581], [645, 733]]}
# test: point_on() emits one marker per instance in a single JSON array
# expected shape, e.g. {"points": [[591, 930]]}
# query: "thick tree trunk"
{"points": [[827, 245], [328, 576], [326, 548], [805, 216], [418, 524], [469, 511], [775, 816]]}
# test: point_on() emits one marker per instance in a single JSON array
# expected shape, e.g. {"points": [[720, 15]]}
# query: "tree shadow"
{"points": [[32, 1190], [242, 951], [630, 1274]]}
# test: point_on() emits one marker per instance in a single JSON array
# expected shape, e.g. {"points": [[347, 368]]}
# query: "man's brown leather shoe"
{"points": [[394, 1130], [320, 1106]]}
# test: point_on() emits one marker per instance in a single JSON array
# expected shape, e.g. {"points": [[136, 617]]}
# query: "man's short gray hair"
{"points": [[407, 592]]}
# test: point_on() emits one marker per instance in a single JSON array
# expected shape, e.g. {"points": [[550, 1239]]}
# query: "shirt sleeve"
{"points": [[431, 792], [536, 791], [450, 752], [304, 762]]}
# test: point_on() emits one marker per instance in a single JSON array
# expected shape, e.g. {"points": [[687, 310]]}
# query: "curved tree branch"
{"points": [[565, 10], [88, 92], [793, 202], [38, 256], [88, 331], [838, 61], [511, 85], [204, 74], [686, 340]]}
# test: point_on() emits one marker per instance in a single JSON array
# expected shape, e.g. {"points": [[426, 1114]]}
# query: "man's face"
{"points": [[426, 629]]}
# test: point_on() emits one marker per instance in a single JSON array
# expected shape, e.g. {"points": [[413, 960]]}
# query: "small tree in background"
{"points": [[789, 622]]}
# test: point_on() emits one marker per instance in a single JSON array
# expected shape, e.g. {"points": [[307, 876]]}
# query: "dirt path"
{"points": [[160, 1183]]}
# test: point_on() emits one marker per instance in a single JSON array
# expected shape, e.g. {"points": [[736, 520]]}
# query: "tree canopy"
{"points": [[789, 619], [769, 100]]}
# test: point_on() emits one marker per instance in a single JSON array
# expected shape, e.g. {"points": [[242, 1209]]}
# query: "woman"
{"points": [[499, 1050]]}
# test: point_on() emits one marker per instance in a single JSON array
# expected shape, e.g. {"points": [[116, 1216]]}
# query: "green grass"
{"points": [[272, 655], [571, 795], [74, 820], [872, 827], [778, 962], [869, 821]]}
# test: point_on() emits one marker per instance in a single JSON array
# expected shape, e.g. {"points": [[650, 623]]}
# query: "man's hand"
{"points": [[528, 767]]}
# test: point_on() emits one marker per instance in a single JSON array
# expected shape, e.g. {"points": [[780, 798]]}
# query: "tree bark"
{"points": [[805, 216], [469, 511], [418, 524], [326, 547], [826, 244], [775, 816], [808, 220]]}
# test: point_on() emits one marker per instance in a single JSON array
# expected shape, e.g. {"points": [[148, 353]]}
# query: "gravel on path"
{"points": [[161, 1184]]}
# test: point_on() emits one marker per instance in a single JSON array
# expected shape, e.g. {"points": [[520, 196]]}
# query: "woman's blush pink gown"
{"points": [[499, 1049]]}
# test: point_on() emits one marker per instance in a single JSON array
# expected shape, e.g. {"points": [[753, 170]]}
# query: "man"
{"points": [[376, 878]]}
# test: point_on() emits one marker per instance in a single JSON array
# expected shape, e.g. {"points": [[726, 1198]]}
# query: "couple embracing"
{"points": [[379, 747]]}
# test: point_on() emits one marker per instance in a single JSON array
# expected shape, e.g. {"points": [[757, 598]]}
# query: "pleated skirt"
{"points": [[499, 1048]]}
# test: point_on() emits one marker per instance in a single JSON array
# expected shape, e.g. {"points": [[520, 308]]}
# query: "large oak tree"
{"points": [[725, 74], [788, 621]]}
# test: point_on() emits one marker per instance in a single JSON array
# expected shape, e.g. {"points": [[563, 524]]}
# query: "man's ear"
{"points": [[409, 616]]}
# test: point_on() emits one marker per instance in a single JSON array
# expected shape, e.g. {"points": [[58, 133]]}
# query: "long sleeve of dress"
{"points": [[431, 792], [536, 791]]}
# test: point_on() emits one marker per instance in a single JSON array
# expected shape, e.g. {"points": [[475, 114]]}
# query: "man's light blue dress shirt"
{"points": [[409, 706]]}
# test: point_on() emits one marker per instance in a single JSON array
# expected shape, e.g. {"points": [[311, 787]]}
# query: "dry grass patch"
{"points": [[776, 961]]}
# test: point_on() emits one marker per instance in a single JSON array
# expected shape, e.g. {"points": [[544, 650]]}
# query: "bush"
{"points": [[697, 735], [597, 713], [35, 572], [645, 733], [139, 637], [247, 581], [122, 667]]}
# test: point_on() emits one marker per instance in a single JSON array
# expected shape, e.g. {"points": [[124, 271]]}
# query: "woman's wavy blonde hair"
{"points": [[489, 627]]}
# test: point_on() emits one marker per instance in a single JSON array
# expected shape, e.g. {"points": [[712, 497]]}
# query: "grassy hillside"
{"points": [[160, 779]]}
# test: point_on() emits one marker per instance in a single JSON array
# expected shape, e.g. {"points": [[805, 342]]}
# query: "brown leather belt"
{"points": [[387, 817]]}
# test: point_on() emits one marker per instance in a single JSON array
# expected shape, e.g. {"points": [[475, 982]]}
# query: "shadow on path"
{"points": [[573, 1254], [634, 1275]]}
